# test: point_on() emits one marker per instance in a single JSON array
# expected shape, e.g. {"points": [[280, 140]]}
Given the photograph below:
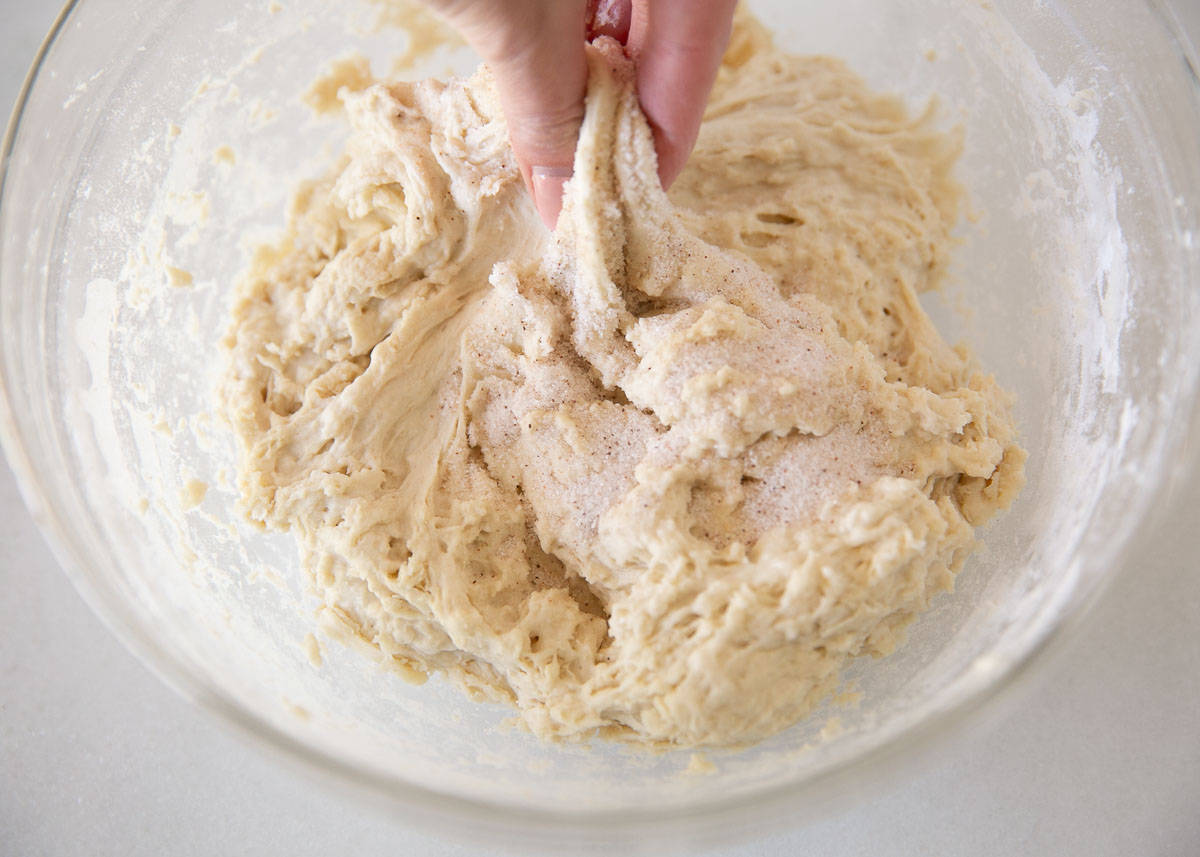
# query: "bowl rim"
{"points": [[719, 819]]}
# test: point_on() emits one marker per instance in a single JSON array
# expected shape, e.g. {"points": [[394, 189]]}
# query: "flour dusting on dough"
{"points": [[655, 477]]}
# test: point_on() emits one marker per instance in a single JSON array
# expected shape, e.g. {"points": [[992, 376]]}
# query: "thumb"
{"points": [[535, 49]]}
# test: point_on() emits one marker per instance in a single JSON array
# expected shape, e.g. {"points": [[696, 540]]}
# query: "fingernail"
{"points": [[548, 184]]}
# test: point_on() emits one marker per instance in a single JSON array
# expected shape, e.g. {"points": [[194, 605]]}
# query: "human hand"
{"points": [[535, 49]]}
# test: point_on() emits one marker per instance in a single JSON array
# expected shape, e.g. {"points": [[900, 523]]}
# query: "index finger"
{"points": [[677, 46]]}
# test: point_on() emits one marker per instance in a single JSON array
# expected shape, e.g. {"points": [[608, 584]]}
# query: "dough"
{"points": [[659, 475]]}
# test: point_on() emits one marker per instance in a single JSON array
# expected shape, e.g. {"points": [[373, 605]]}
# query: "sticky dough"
{"points": [[656, 476]]}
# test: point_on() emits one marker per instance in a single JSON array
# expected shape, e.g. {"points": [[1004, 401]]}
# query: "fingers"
{"points": [[677, 46], [535, 49], [536, 52]]}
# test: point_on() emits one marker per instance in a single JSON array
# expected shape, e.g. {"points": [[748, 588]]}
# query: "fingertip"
{"points": [[547, 185], [541, 78], [672, 155], [677, 52]]}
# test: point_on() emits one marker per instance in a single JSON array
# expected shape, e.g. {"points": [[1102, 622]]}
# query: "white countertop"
{"points": [[1099, 756]]}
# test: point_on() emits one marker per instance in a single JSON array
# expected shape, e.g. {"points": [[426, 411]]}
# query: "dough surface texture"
{"points": [[656, 476]]}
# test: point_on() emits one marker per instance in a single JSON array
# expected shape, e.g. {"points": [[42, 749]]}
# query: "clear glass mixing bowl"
{"points": [[124, 224]]}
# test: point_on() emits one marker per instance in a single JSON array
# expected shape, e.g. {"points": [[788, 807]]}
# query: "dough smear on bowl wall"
{"points": [[656, 476]]}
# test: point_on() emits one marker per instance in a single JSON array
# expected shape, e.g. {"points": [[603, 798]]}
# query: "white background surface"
{"points": [[1100, 756]]}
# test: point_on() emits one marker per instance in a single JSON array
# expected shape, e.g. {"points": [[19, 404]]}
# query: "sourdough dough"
{"points": [[656, 476]]}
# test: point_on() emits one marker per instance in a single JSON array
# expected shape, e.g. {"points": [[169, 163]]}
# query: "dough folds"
{"points": [[654, 477]]}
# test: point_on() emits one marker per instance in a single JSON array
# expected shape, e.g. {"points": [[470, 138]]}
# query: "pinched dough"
{"points": [[659, 475]]}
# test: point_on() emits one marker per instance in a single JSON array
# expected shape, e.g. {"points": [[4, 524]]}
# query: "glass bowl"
{"points": [[157, 142]]}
